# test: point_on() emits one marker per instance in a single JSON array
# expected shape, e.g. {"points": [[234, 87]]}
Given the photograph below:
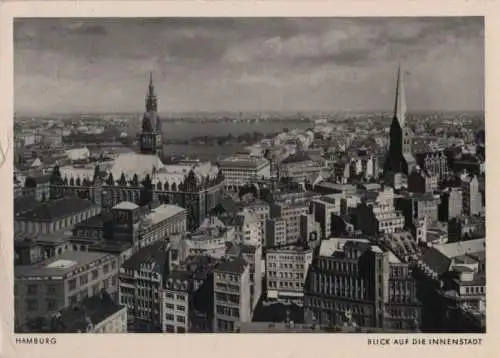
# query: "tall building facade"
{"points": [[363, 281], [471, 197], [400, 157]]}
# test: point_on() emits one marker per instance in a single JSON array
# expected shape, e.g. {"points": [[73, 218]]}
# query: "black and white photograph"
{"points": [[249, 175]]}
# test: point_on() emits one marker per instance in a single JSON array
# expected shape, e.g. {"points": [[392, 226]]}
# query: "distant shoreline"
{"points": [[277, 115]]}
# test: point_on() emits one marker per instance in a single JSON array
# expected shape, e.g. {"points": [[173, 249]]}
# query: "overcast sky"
{"points": [[282, 64]]}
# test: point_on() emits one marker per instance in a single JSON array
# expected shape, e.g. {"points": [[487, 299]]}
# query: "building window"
{"points": [[181, 319], [180, 297], [51, 290], [169, 306], [72, 284], [32, 289], [32, 305], [113, 265], [105, 269], [51, 305], [84, 279], [181, 308], [181, 330], [95, 274], [84, 294], [95, 289], [169, 328], [169, 317]]}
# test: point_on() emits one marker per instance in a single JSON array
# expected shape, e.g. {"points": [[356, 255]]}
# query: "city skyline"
{"points": [[248, 65]]}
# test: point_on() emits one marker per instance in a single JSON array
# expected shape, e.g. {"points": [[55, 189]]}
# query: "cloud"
{"points": [[245, 63]]}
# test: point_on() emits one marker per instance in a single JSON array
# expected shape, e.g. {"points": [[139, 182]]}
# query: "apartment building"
{"points": [[253, 256], [50, 285], [232, 297], [286, 270], [141, 278]]}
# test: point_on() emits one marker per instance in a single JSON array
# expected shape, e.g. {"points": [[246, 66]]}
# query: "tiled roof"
{"points": [[53, 210]]}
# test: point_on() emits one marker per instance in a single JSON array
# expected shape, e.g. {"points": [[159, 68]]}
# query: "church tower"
{"points": [[150, 137], [400, 155]]}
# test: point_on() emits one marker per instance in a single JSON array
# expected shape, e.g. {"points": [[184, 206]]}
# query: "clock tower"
{"points": [[150, 136]]}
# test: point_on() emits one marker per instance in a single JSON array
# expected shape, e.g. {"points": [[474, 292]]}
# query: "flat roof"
{"points": [[163, 212], [60, 265]]}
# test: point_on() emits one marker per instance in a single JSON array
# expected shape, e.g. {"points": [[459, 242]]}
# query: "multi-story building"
{"points": [[56, 215], [420, 181], [239, 171], [434, 162], [323, 209], [232, 297], [95, 314], [141, 279], [161, 222], [301, 166], [471, 197], [50, 285], [451, 285], [275, 232], [175, 302], [415, 207], [451, 204], [310, 230], [211, 239], [377, 214], [187, 296], [253, 256], [290, 211], [260, 211], [286, 271], [248, 229], [364, 281]]}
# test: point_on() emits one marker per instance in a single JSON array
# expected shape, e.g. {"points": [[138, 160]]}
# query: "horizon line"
{"points": [[319, 111]]}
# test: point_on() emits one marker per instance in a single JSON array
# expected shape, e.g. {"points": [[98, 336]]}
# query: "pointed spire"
{"points": [[400, 103], [151, 86]]}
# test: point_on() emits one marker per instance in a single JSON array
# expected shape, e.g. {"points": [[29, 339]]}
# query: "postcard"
{"points": [[243, 169]]}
